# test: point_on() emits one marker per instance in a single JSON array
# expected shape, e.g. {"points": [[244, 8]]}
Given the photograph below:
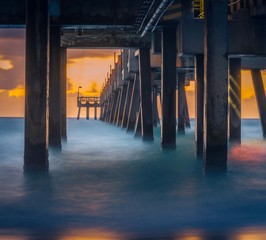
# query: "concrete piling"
{"points": [[116, 106], [36, 84], [95, 113], [154, 106], [55, 89], [127, 103], [215, 82], [134, 104], [121, 105], [199, 92], [87, 113], [137, 128], [145, 94], [181, 103], [168, 88], [63, 63]]}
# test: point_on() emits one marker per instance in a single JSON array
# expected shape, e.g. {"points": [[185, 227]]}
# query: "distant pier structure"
{"points": [[88, 102], [165, 44]]}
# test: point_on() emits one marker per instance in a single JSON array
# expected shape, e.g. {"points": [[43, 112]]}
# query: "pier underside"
{"points": [[164, 46]]}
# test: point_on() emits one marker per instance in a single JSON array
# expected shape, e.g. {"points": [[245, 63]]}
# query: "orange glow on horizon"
{"points": [[92, 234], [88, 72], [88, 68], [19, 91]]}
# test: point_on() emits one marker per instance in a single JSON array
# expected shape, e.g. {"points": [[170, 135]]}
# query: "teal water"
{"points": [[106, 184]]}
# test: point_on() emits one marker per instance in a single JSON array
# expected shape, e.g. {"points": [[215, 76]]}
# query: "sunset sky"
{"points": [[86, 68]]}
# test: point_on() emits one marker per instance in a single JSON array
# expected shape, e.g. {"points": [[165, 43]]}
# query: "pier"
{"points": [[88, 102], [164, 46]]}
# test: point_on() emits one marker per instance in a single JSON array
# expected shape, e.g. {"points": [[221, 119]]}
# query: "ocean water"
{"points": [[106, 184]]}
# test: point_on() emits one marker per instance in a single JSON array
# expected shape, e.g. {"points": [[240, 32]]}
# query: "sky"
{"points": [[86, 68]]}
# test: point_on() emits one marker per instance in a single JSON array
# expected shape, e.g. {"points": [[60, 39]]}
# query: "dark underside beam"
{"points": [[78, 12]]}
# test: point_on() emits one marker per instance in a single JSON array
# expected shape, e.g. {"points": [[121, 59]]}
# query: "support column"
{"points": [[137, 129], [154, 107], [78, 116], [181, 103], [186, 112], [260, 97], [36, 84], [216, 82], [168, 88], [117, 105], [110, 107], [235, 99], [199, 90], [127, 104], [113, 105], [63, 94], [87, 113], [105, 110], [95, 113], [134, 104], [121, 105], [145, 94], [55, 89], [101, 113]]}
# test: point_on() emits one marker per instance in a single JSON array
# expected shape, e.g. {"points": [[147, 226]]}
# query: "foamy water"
{"points": [[106, 184]]}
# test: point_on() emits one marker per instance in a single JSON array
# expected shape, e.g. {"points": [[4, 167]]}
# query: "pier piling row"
{"points": [[165, 45]]}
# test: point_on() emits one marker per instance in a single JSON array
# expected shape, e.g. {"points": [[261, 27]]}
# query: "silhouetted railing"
{"points": [[88, 101]]}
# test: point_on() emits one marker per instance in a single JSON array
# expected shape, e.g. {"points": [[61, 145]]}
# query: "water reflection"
{"points": [[248, 153]]}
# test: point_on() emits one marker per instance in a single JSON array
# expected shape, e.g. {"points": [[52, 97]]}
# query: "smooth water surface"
{"points": [[106, 184]]}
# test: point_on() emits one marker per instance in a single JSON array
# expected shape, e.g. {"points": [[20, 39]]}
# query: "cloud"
{"points": [[5, 64], [93, 90], [70, 85], [10, 79], [190, 92], [11, 106], [249, 107], [12, 60], [19, 91], [12, 43], [251, 97]]}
